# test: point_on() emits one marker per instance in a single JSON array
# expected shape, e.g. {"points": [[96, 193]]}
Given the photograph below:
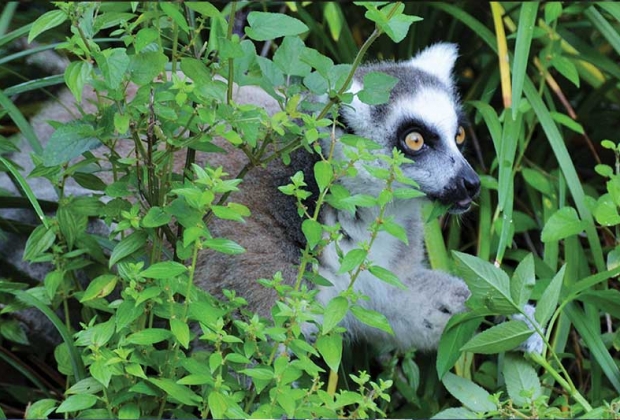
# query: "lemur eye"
{"points": [[460, 136], [414, 141]]}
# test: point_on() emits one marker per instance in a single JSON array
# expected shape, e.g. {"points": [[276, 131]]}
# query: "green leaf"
{"points": [[149, 336], [76, 76], [76, 403], [459, 330], [40, 409], [177, 392], [566, 68], [39, 241], [503, 337], [468, 393], [85, 386], [563, 223], [45, 22], [267, 26], [12, 330], [100, 287], [225, 246], [288, 57], [128, 246], [521, 380], [171, 9], [567, 121], [372, 318], [527, 22], [312, 231], [395, 229], [113, 63], [523, 281], [164, 270], [323, 173], [144, 67], [387, 276], [352, 260], [330, 348], [101, 372], [490, 286], [155, 217], [549, 300], [69, 141], [377, 88], [553, 10], [455, 413], [262, 374], [180, 330], [334, 312], [218, 404]]}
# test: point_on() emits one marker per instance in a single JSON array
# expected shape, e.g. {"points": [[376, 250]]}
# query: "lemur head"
{"points": [[423, 119]]}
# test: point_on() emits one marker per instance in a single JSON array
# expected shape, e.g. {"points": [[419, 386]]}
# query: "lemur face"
{"points": [[423, 119]]}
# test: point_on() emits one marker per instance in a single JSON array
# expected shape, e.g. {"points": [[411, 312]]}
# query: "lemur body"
{"points": [[423, 108]]}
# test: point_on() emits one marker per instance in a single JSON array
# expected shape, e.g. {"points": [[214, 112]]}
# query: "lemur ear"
{"points": [[438, 60]]}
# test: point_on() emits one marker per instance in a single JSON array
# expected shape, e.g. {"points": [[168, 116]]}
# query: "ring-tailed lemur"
{"points": [[423, 120]]}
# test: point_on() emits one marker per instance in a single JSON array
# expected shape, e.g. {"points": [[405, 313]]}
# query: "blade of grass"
{"points": [[26, 188], [527, 18], [604, 27], [76, 360], [35, 84], [5, 39], [7, 15], [594, 343], [502, 53], [18, 365], [20, 121]]}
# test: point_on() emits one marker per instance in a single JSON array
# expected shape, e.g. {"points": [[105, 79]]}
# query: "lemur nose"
{"points": [[471, 183]]}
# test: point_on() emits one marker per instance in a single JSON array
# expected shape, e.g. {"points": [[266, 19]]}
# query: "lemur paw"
{"points": [[535, 343], [449, 302]]}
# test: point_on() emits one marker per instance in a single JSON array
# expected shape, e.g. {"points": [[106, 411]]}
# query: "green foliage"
{"points": [[546, 230]]}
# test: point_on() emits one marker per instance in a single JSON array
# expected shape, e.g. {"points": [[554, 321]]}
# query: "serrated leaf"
{"points": [[563, 223], [164, 270], [69, 141], [76, 75], [128, 246], [40, 409], [180, 330], [521, 380], [490, 286], [549, 300], [262, 374], [155, 217], [456, 333], [178, 392], [377, 88], [523, 281], [100, 287], [149, 336], [45, 22], [312, 231], [76, 403], [330, 348], [288, 57], [266, 26], [468, 393], [372, 318], [335, 311], [387, 276], [323, 173], [225, 246], [455, 413], [39, 241], [352, 260], [503, 337]]}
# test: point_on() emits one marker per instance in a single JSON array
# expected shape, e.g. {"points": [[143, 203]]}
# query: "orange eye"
{"points": [[414, 141], [460, 136]]}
